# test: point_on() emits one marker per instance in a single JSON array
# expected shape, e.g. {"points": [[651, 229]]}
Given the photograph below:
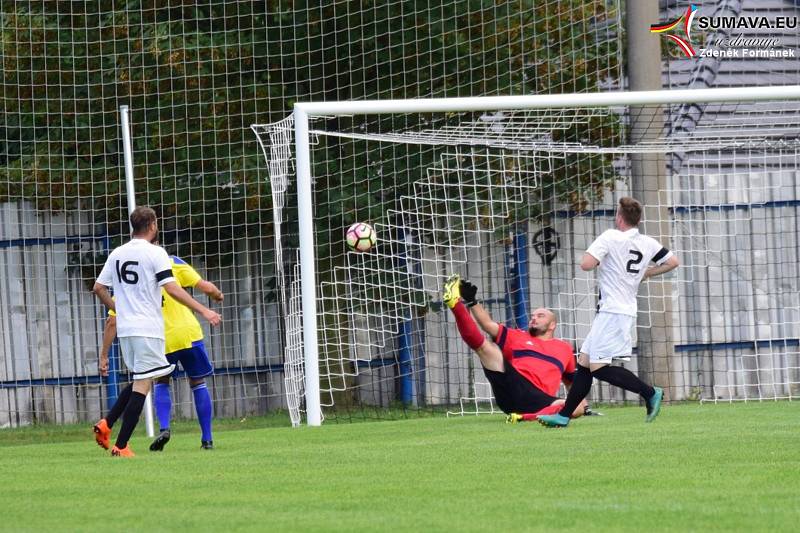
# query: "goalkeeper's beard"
{"points": [[536, 331]]}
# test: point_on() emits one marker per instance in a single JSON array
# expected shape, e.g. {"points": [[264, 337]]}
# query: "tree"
{"points": [[196, 75]]}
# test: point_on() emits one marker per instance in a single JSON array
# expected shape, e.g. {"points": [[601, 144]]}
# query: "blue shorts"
{"points": [[193, 360]]}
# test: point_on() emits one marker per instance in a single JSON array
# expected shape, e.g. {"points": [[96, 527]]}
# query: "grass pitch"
{"points": [[697, 467]]}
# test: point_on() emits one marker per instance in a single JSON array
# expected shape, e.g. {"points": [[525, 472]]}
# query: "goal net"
{"points": [[510, 199], [195, 76]]}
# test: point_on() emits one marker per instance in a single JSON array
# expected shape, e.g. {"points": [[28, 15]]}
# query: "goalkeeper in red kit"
{"points": [[524, 368]]}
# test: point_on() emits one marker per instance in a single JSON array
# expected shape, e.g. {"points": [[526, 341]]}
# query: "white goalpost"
{"points": [[717, 152], [130, 189]]}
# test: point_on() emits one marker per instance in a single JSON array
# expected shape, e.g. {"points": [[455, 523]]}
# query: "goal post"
{"points": [[305, 113], [307, 273], [130, 189]]}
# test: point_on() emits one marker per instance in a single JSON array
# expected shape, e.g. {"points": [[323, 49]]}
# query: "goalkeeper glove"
{"points": [[468, 292]]}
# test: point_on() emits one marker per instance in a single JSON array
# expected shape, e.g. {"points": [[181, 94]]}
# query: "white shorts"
{"points": [[609, 337], [144, 357]]}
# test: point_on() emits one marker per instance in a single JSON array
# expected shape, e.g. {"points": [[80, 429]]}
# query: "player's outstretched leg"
{"points": [[625, 379], [654, 404], [466, 325], [514, 418]]}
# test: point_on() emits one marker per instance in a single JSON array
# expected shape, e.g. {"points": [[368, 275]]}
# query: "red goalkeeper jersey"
{"points": [[542, 362]]}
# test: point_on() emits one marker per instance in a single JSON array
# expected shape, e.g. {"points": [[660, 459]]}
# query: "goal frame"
{"points": [[304, 111]]}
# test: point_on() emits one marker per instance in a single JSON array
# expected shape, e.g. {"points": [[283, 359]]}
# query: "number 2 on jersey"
{"points": [[636, 258], [125, 275]]}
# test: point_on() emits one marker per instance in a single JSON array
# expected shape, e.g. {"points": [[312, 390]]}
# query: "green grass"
{"points": [[697, 467]]}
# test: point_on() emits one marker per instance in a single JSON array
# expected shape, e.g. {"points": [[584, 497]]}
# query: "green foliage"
{"points": [[190, 76], [471, 48], [196, 75]]}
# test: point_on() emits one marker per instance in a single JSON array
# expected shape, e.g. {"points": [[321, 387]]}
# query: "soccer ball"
{"points": [[360, 237]]}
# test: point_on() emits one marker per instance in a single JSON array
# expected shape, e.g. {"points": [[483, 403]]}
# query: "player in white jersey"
{"points": [[622, 257], [136, 271]]}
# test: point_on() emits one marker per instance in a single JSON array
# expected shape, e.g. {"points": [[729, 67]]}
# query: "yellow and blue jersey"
{"points": [[181, 327]]}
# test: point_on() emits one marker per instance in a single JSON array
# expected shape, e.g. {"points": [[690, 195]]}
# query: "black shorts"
{"points": [[514, 393]]}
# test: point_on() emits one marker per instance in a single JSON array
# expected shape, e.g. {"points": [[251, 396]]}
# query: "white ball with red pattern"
{"points": [[360, 237]]}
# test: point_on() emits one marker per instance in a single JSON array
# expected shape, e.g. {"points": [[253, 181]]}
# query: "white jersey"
{"points": [[136, 271], [624, 256]]}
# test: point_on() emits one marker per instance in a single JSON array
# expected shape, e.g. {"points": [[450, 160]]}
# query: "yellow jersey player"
{"points": [[139, 274], [184, 345]]}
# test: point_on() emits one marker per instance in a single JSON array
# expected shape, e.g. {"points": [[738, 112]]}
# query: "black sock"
{"points": [[130, 418], [119, 406], [625, 379], [578, 391]]}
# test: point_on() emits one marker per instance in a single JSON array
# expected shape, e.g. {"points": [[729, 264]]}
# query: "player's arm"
{"points": [[102, 283], [469, 293], [595, 253], [589, 262], [101, 291], [670, 264], [187, 276], [165, 276], [484, 320], [210, 290], [180, 295], [109, 332]]}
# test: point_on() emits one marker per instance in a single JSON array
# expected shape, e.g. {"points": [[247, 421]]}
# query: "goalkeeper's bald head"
{"points": [[543, 323]]}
